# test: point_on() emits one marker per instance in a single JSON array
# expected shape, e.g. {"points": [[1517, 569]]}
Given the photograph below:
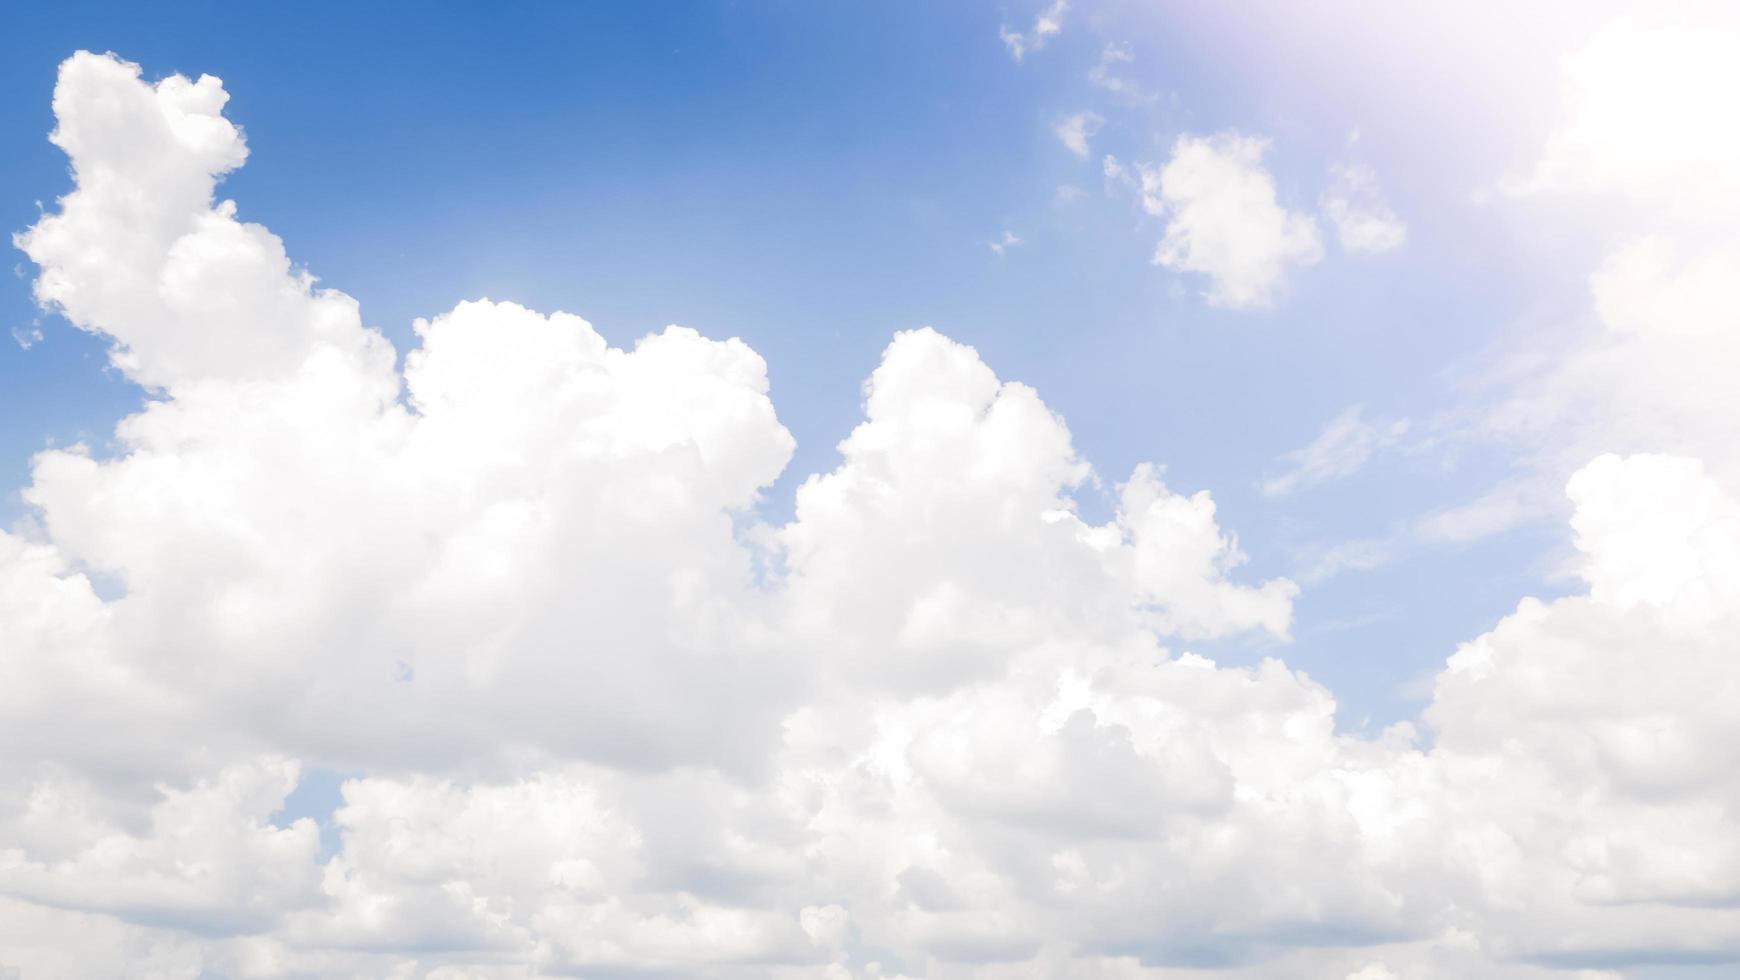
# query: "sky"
{"points": [[1084, 489]]}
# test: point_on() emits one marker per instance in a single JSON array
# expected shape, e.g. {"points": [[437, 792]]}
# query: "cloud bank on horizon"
{"points": [[602, 720]]}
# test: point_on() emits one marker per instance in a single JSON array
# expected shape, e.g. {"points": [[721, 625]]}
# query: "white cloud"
{"points": [[1508, 505], [1077, 131], [159, 151], [1008, 241], [1114, 169], [1345, 445], [1363, 222], [1646, 117], [1046, 26], [206, 861], [1224, 222], [1651, 367], [1348, 556], [1658, 542], [1104, 74], [937, 724]]}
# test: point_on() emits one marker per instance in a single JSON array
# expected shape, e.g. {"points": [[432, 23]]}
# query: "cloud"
{"points": [[1510, 504], [1345, 445], [1348, 556], [158, 152], [1657, 542], [1223, 220], [1114, 170], [1046, 25], [530, 426], [207, 861], [1644, 118], [1104, 74], [603, 721], [1649, 366], [1363, 222], [1008, 241], [1076, 132]]}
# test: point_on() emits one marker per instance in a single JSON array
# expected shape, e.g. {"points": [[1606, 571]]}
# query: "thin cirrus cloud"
{"points": [[937, 724], [1345, 445]]}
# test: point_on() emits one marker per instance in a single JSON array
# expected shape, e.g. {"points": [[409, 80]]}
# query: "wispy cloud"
{"points": [[1105, 74], [1360, 555], [1506, 506], [27, 337], [1045, 27], [1078, 131], [1363, 221], [1345, 445]]}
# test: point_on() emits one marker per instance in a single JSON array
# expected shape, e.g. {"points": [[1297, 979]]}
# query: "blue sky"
{"points": [[1387, 428]]}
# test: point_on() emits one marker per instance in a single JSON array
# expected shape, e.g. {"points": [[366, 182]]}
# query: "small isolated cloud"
{"points": [[1008, 241], [1076, 132], [27, 337], [1104, 74], [1347, 443], [1355, 206], [1114, 169], [1224, 221], [1045, 27]]}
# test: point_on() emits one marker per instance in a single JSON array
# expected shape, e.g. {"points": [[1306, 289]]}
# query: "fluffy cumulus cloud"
{"points": [[1224, 221], [601, 721]]}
